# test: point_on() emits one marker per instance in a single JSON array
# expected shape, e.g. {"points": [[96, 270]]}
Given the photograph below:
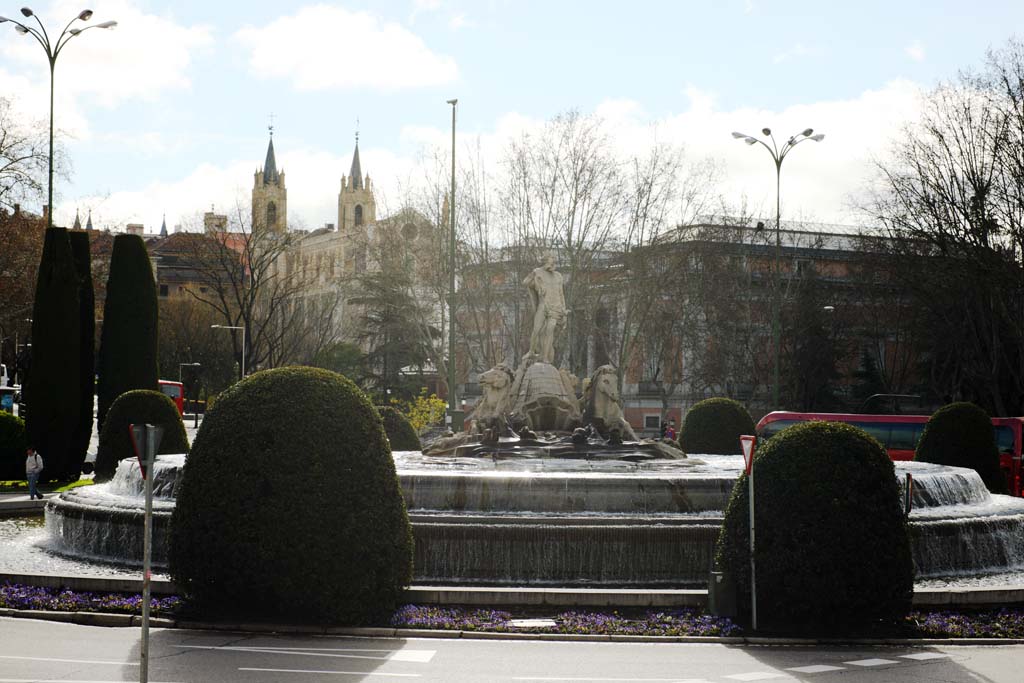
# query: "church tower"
{"points": [[356, 206], [269, 195]]}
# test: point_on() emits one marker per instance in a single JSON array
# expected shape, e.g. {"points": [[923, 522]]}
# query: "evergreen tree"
{"points": [[52, 391], [128, 345], [87, 348]]}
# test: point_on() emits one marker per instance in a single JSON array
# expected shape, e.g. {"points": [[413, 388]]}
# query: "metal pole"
{"points": [[753, 581], [776, 303], [49, 209], [147, 550], [243, 351], [452, 399]]}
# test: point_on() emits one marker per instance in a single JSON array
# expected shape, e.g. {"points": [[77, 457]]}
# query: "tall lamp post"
{"points": [[778, 156], [52, 50], [235, 327], [195, 401], [452, 400]]}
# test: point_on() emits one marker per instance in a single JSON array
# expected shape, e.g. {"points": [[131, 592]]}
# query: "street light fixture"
{"points": [[235, 327], [778, 156], [52, 50]]}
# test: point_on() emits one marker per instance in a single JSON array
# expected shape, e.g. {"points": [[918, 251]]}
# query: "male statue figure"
{"points": [[545, 287]]}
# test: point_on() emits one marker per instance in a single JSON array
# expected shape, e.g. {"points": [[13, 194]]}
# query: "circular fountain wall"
{"points": [[571, 522]]}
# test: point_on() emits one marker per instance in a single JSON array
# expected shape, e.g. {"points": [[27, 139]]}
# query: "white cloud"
{"points": [[818, 179], [795, 52], [915, 51], [460, 21], [322, 47], [142, 57]]}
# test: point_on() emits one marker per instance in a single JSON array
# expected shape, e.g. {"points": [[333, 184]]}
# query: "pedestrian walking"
{"points": [[33, 467], [670, 433]]}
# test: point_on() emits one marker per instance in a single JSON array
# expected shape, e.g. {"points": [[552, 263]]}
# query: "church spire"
{"points": [[88, 222], [270, 165], [78, 222], [163, 227], [356, 174]]}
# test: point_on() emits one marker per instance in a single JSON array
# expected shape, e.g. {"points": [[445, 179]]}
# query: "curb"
{"points": [[128, 620]]}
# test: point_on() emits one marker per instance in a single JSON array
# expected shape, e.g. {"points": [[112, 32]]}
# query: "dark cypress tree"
{"points": [[87, 348], [127, 358], [53, 385]]}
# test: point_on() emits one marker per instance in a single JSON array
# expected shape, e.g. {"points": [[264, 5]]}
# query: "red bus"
{"points": [[900, 434], [174, 391]]}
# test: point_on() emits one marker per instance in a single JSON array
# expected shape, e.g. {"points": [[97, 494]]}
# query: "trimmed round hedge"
{"points": [[399, 430], [714, 426], [140, 406], [961, 435], [833, 549], [289, 504], [13, 444]]}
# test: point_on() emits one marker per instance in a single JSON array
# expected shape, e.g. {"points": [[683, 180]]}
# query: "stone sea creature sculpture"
{"points": [[607, 404]]}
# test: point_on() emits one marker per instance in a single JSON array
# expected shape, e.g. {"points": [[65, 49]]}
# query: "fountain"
{"points": [[490, 508]]}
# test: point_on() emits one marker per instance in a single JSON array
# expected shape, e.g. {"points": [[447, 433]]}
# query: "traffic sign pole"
{"points": [[146, 441], [748, 443]]}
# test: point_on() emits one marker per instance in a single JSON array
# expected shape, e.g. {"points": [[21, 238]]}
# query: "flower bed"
{"points": [[17, 596], [1007, 622]]}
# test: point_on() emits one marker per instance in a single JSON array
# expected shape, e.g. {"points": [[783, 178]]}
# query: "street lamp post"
{"points": [[52, 50], [452, 399], [235, 327], [778, 156]]}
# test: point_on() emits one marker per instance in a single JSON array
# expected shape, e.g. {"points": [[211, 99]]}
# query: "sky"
{"points": [[168, 113]]}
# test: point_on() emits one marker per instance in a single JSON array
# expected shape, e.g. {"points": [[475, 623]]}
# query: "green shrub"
{"points": [[13, 443], [53, 389], [961, 435], [833, 549], [140, 406], [399, 430], [714, 426], [128, 340], [289, 504], [86, 351]]}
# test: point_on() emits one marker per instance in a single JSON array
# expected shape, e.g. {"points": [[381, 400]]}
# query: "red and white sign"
{"points": [[748, 442]]}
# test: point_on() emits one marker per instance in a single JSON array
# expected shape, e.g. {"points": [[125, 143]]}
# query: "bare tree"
{"points": [[24, 158]]}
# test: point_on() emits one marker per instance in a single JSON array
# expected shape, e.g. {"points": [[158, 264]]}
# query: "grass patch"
{"points": [[21, 486]]}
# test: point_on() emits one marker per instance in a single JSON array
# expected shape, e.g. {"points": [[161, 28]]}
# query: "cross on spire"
{"points": [[271, 126]]}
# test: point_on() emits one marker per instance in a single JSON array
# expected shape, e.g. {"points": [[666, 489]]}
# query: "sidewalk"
{"points": [[19, 505]]}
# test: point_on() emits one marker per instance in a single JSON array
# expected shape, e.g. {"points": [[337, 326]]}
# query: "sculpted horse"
{"points": [[606, 403], [495, 403]]}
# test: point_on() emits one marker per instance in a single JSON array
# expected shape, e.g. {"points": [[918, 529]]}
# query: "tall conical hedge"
{"points": [[53, 387], [87, 350], [127, 358]]}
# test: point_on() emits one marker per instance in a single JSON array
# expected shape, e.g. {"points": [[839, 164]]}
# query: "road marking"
{"points": [[925, 655], [420, 656], [533, 623], [757, 676], [68, 661], [321, 671], [624, 680], [872, 662], [816, 669], [61, 680]]}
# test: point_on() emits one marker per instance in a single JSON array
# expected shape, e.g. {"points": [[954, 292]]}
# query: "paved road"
{"points": [[40, 651]]}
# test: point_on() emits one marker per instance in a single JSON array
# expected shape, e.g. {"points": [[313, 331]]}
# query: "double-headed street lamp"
{"points": [[52, 52], [235, 327], [778, 156]]}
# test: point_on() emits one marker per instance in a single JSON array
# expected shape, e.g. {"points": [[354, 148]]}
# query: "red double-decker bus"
{"points": [[174, 391], [900, 434]]}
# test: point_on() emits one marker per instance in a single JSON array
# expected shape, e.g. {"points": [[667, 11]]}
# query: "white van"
{"points": [[5, 380]]}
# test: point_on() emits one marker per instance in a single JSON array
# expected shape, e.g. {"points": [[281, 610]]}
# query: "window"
{"points": [[1004, 439], [652, 421], [803, 267], [904, 436], [163, 290], [359, 214], [271, 215], [879, 430]]}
